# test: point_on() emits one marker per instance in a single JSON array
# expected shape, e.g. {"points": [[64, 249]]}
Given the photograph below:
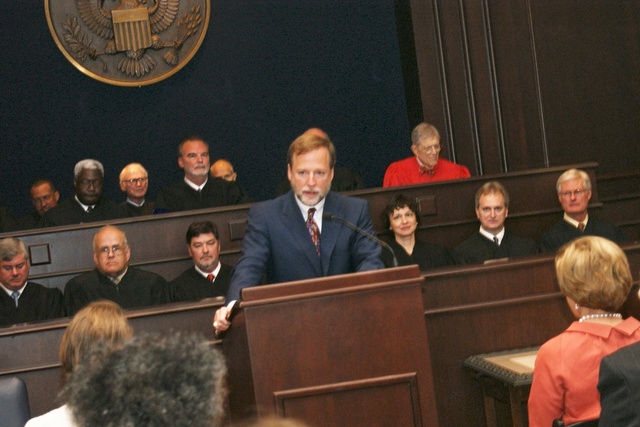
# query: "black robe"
{"points": [[192, 286], [36, 303], [478, 248]]}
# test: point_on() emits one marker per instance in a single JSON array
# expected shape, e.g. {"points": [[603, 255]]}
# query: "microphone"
{"points": [[331, 217]]}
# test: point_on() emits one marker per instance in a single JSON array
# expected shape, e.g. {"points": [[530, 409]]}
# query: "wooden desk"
{"points": [[506, 381]]}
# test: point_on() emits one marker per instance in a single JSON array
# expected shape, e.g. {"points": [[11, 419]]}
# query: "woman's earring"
{"points": [[577, 307]]}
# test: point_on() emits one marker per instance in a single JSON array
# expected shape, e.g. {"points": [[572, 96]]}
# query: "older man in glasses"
{"points": [[113, 279], [425, 165], [574, 192], [134, 181]]}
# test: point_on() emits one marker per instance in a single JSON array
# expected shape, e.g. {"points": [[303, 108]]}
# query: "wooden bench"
{"points": [[468, 310], [158, 242]]}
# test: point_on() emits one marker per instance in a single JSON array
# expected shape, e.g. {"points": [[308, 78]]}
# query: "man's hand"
{"points": [[221, 319]]}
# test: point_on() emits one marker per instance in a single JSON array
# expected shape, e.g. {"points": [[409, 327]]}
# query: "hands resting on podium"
{"points": [[221, 320]]}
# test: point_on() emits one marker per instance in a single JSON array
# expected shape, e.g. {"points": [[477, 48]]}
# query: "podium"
{"points": [[348, 350]]}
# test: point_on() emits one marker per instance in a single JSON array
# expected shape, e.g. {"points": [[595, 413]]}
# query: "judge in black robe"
{"points": [[36, 303]]}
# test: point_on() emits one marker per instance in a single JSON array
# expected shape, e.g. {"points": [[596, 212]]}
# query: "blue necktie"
{"points": [[15, 295]]}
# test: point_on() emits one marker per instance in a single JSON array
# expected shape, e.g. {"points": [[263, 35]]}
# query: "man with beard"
{"points": [[287, 238], [197, 190], [208, 277]]}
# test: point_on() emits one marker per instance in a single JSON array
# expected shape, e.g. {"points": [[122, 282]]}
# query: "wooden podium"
{"points": [[348, 350]]}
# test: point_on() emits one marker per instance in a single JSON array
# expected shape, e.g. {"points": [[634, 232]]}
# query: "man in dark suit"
{"points": [[619, 386], [21, 300], [208, 277], [44, 196], [113, 279], [134, 182], [574, 193], [288, 239], [493, 241], [87, 205], [197, 190]]}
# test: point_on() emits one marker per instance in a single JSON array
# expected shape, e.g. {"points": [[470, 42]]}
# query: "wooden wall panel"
{"points": [[521, 84]]}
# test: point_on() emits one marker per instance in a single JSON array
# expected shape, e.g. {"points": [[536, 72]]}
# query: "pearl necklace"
{"points": [[599, 316]]}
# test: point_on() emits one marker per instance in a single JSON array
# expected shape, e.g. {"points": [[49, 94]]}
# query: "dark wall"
{"points": [[522, 84], [266, 71]]}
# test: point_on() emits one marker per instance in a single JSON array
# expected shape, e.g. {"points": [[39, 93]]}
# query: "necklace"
{"points": [[599, 316]]}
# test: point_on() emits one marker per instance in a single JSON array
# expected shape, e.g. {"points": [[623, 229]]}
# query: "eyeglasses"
{"points": [[429, 149], [135, 180], [116, 250], [575, 193]]}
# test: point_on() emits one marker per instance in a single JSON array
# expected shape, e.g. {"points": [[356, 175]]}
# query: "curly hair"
{"points": [[173, 379], [400, 201]]}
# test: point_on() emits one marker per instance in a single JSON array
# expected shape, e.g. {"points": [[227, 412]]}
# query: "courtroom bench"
{"points": [[468, 310], [158, 242]]}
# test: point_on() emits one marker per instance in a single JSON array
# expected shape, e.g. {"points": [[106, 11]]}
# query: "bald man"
{"points": [[113, 278], [223, 169], [134, 181]]}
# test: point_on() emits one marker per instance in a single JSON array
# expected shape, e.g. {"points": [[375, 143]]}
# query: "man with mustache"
{"points": [[288, 239], [88, 203], [208, 277], [197, 190]]}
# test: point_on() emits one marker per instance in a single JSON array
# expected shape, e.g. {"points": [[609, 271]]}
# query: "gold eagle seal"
{"points": [[128, 42]]}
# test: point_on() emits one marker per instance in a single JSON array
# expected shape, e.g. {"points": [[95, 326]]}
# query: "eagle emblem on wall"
{"points": [[128, 42]]}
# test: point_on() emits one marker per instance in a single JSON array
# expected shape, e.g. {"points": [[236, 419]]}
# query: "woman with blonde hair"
{"points": [[594, 276], [101, 324]]}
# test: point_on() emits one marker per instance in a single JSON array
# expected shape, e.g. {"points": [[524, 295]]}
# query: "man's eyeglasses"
{"points": [[116, 250], [135, 181], [574, 193], [429, 149]]}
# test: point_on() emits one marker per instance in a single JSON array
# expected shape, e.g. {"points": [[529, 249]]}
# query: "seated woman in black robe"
{"points": [[401, 217]]}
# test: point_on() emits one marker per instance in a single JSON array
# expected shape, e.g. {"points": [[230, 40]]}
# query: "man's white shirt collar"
{"points": [[196, 187], [317, 216], [490, 236]]}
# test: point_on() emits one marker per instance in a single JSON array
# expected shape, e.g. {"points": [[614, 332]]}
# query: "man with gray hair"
{"points": [[88, 203], [134, 181], [21, 300], [574, 192], [425, 165]]}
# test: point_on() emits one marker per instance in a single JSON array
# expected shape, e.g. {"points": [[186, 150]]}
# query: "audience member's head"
{"points": [[134, 181], [173, 380], [44, 195], [203, 242], [398, 207], [311, 160], [492, 206], [425, 144], [193, 159], [593, 272], [111, 252], [88, 180], [14, 263], [223, 169], [574, 193], [100, 324]]}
